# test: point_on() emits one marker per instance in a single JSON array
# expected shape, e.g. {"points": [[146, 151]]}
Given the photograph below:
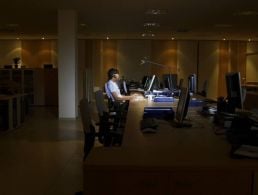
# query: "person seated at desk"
{"points": [[112, 89]]}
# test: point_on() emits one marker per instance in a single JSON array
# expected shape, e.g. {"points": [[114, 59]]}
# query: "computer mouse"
{"points": [[149, 130]]}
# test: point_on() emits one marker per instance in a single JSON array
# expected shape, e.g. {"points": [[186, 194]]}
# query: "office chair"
{"points": [[110, 132], [203, 92], [88, 128], [125, 91]]}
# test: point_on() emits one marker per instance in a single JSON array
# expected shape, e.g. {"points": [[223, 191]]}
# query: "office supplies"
{"points": [[149, 125]]}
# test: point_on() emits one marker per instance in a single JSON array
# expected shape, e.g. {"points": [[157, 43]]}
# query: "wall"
{"points": [[252, 62], [215, 58], [33, 53], [186, 59], [208, 67], [36, 53], [165, 53], [130, 53], [9, 49]]}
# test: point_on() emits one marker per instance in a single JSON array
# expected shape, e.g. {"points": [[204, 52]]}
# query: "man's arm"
{"points": [[122, 97]]}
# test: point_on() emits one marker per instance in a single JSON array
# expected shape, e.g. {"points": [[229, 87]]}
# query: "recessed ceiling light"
{"points": [[149, 34], [151, 24], [156, 11]]}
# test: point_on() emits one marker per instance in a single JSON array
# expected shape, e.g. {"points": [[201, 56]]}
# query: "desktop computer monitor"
{"points": [[170, 81], [234, 91], [153, 83], [182, 108], [192, 83]]}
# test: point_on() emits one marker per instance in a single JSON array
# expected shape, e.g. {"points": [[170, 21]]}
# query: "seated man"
{"points": [[117, 102], [112, 89]]}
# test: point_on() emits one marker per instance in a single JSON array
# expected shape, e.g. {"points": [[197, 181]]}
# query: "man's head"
{"points": [[113, 74]]}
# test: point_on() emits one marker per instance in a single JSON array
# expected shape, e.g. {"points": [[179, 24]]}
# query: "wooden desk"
{"points": [[10, 100], [172, 162]]}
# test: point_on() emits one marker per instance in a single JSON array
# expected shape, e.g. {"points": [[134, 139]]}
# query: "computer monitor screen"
{"points": [[150, 84], [170, 81], [192, 83], [180, 85], [182, 106], [234, 91]]}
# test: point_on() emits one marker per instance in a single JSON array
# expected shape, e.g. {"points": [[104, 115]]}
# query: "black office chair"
{"points": [[203, 92], [88, 127], [110, 131]]}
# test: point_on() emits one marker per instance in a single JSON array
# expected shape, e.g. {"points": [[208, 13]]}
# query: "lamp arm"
{"points": [[147, 61]]}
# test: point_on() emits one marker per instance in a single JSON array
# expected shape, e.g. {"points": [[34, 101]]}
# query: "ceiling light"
{"points": [[172, 38], [43, 38], [149, 34], [156, 11], [249, 40], [224, 39], [151, 24], [107, 38], [18, 38]]}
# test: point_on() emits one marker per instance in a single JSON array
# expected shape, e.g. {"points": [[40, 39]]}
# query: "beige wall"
{"points": [[33, 53], [9, 49], [36, 53], [208, 67], [186, 59], [252, 62], [129, 55]]}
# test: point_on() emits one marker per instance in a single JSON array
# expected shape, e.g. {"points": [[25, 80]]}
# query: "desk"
{"points": [[11, 101], [171, 162]]}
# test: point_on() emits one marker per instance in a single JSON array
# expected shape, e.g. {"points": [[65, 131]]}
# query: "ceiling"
{"points": [[183, 19]]}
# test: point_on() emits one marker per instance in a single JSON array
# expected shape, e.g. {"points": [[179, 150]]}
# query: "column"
{"points": [[67, 64]]}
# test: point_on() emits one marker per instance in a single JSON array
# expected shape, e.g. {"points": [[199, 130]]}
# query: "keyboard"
{"points": [[163, 99]]}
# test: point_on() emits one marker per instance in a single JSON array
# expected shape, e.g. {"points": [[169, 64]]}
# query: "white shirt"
{"points": [[112, 87]]}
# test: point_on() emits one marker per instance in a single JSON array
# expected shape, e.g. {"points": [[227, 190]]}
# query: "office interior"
{"points": [[43, 155]]}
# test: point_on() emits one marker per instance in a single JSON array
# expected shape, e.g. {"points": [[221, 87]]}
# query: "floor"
{"points": [[43, 156]]}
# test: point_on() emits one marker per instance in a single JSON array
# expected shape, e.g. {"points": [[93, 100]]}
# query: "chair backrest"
{"points": [[181, 81], [85, 110], [100, 102], [109, 94], [243, 94]]}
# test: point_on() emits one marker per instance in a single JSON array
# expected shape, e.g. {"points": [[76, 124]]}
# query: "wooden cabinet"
{"points": [[40, 85], [15, 81], [46, 87]]}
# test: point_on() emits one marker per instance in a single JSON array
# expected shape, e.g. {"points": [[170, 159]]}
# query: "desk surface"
{"points": [[170, 148]]}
